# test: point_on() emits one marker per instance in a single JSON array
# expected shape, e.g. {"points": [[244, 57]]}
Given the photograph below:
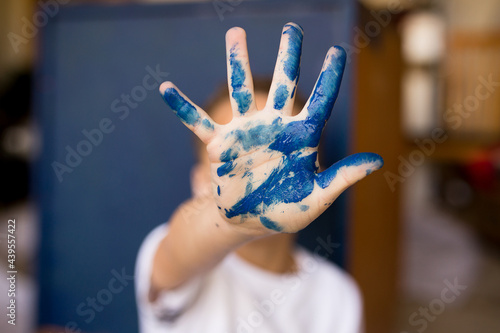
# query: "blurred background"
{"points": [[421, 236]]}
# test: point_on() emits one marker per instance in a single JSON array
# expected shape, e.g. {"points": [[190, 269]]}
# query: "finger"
{"points": [[325, 92], [239, 76], [190, 114], [286, 71], [348, 171]]}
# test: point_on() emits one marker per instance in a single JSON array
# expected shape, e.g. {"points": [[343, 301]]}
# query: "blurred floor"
{"points": [[439, 248], [478, 314]]}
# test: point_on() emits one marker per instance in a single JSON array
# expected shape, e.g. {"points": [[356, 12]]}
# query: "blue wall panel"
{"points": [[94, 220]]}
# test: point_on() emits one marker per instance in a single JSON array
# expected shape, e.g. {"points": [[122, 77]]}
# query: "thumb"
{"points": [[337, 178]]}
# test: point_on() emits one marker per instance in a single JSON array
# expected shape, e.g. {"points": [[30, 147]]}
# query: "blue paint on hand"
{"points": [[237, 73], [208, 124], [280, 97], [228, 155], [242, 97], [325, 178], [327, 89], [257, 136], [249, 188], [269, 224], [182, 108], [292, 61], [225, 168], [296, 135], [304, 207], [287, 139], [293, 179], [290, 182], [289, 144], [243, 100]]}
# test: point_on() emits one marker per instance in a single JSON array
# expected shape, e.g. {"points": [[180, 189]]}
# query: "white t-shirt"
{"points": [[238, 297]]}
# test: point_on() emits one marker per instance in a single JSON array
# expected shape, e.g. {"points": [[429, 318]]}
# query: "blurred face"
{"points": [[200, 174], [223, 114]]}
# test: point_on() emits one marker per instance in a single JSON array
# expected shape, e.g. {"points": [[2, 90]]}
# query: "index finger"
{"points": [[320, 104]]}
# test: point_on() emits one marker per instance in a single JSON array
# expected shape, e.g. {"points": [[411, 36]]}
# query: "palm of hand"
{"points": [[265, 169], [264, 163]]}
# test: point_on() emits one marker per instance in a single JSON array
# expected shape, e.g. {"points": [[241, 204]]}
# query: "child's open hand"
{"points": [[264, 162]]}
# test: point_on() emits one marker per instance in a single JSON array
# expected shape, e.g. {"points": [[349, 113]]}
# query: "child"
{"points": [[227, 260]]}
